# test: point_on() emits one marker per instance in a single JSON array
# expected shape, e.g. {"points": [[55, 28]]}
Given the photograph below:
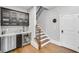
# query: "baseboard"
{"points": [[64, 45]]}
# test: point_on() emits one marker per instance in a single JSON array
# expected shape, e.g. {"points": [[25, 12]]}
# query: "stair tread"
{"points": [[45, 44], [40, 35], [39, 31], [44, 41], [43, 37]]}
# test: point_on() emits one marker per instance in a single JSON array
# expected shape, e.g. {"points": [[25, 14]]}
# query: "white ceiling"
{"points": [[49, 7], [24, 7], [19, 8]]}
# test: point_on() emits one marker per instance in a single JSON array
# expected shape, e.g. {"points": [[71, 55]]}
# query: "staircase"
{"points": [[40, 9], [41, 37]]}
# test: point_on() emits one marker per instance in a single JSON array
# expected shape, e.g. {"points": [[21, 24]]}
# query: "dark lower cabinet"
{"points": [[19, 41]]}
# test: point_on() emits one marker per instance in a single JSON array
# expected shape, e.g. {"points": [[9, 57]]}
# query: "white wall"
{"points": [[68, 10], [45, 20], [52, 30], [42, 20], [32, 26]]}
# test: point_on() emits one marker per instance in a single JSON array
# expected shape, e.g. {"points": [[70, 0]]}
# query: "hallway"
{"points": [[50, 48]]}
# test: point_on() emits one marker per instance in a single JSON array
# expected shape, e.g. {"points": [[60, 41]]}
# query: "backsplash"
{"points": [[13, 29]]}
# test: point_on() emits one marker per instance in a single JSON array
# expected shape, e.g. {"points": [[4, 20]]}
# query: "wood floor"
{"points": [[50, 48]]}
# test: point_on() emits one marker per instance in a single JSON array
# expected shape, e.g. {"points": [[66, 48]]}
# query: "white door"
{"points": [[76, 40], [67, 29]]}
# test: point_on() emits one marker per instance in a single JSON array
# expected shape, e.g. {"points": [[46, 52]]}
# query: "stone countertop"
{"points": [[11, 34]]}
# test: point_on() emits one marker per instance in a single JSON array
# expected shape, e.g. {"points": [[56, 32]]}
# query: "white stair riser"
{"points": [[42, 35], [45, 44], [43, 39]]}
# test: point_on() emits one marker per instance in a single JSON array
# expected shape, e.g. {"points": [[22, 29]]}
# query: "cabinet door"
{"points": [[26, 39], [19, 41], [4, 44], [5, 17], [13, 18], [10, 43], [0, 16], [13, 42], [0, 21], [20, 18], [0, 43], [26, 20]]}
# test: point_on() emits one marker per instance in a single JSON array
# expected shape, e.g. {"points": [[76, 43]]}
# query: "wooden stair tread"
{"points": [[39, 32], [47, 44], [40, 35], [39, 29], [45, 41], [43, 37]]}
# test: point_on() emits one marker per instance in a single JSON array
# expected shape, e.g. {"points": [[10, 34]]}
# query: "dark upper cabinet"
{"points": [[23, 19], [5, 17], [20, 19], [26, 20], [0, 16], [0, 43], [11, 17]]}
